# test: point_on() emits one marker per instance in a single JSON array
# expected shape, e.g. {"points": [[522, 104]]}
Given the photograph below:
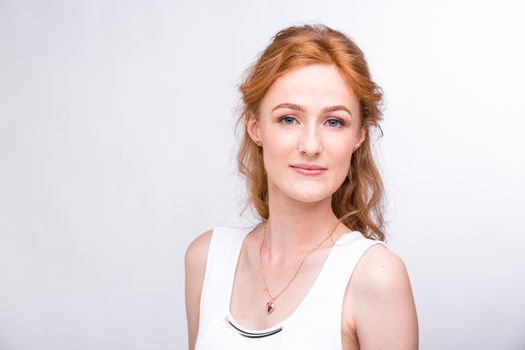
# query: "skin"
{"points": [[378, 308]]}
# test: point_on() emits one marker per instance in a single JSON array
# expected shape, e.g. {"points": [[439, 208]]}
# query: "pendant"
{"points": [[270, 306]]}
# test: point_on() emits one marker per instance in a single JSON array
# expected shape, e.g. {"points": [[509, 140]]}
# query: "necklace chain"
{"points": [[270, 305]]}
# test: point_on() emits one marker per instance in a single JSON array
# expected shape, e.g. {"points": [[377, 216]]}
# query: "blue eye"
{"points": [[287, 120], [330, 122]]}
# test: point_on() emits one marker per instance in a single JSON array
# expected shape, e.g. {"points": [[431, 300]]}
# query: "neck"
{"points": [[296, 227]]}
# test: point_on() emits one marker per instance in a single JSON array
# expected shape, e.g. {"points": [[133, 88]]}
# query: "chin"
{"points": [[311, 196], [305, 191]]}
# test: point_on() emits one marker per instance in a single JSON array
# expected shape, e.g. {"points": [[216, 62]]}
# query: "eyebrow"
{"points": [[303, 109]]}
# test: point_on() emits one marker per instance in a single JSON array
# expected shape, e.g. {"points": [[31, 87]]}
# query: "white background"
{"points": [[117, 148]]}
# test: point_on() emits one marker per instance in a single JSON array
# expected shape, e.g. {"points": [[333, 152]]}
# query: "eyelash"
{"points": [[341, 123]]}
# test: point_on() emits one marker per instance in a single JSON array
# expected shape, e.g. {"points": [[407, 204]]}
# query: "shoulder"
{"points": [[221, 239], [220, 236], [195, 268], [380, 278], [383, 300], [197, 251], [379, 269]]}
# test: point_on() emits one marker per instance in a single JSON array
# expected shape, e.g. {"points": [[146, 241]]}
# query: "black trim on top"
{"points": [[255, 335]]}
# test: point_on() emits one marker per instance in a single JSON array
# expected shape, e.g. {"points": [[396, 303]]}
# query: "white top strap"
{"points": [[320, 312], [223, 253]]}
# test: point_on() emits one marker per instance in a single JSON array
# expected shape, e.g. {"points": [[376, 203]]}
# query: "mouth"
{"points": [[307, 169]]}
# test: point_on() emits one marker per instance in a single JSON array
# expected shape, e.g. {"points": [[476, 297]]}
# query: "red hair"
{"points": [[358, 202]]}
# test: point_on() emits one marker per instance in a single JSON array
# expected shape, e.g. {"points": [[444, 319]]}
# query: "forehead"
{"points": [[314, 86]]}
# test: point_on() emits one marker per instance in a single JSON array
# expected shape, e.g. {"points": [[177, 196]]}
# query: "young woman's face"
{"points": [[309, 117]]}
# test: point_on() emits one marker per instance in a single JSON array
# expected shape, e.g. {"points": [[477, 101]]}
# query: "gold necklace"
{"points": [[270, 305]]}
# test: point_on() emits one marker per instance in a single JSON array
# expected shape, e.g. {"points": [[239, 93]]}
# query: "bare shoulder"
{"points": [[195, 268], [383, 309], [197, 251], [379, 269]]}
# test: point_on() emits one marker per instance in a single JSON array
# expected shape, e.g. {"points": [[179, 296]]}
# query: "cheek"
{"points": [[343, 165], [341, 158], [278, 146], [341, 147], [274, 155]]}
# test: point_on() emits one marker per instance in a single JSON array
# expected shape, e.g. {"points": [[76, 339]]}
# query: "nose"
{"points": [[310, 143]]}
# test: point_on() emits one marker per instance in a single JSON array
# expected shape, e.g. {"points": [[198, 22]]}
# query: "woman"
{"points": [[308, 108]]}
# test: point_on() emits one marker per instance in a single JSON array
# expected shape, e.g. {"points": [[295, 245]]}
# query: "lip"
{"points": [[308, 169], [308, 166]]}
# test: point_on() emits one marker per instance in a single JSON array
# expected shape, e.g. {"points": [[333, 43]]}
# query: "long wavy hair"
{"points": [[358, 202]]}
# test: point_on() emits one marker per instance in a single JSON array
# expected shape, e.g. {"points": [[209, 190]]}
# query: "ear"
{"points": [[361, 135], [252, 127]]}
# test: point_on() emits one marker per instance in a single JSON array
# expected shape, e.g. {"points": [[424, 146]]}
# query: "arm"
{"points": [[384, 315], [195, 267]]}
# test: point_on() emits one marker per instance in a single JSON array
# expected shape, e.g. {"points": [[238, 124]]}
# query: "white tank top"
{"points": [[315, 324]]}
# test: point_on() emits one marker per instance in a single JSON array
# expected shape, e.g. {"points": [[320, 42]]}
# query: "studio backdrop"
{"points": [[117, 148]]}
